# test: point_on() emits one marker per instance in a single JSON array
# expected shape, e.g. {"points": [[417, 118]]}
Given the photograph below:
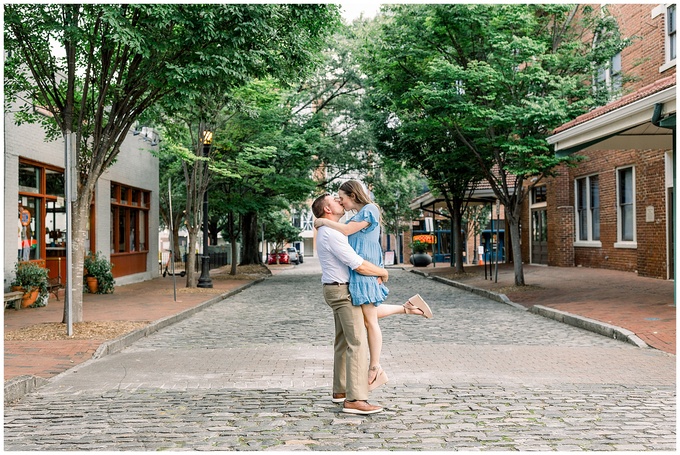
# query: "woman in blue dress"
{"points": [[363, 231]]}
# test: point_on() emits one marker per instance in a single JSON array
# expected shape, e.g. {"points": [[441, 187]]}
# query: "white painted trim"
{"points": [[628, 245], [620, 119], [588, 244], [666, 66]]}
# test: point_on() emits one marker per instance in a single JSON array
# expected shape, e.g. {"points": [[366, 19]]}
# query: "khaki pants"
{"points": [[350, 362]]}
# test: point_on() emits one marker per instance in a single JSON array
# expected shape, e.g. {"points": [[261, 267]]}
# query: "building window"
{"points": [[588, 209], [129, 219], [670, 34], [539, 194], [625, 206], [609, 79]]}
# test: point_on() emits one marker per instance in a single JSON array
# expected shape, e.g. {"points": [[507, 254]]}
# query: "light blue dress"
{"points": [[366, 242]]}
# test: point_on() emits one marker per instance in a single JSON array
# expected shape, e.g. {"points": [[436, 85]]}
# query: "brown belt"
{"points": [[336, 284]]}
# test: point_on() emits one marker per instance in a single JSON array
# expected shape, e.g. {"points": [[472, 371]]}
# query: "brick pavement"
{"points": [[645, 306], [147, 301], [253, 372]]}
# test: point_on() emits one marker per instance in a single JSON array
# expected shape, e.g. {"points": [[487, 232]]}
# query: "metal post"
{"points": [[204, 281], [71, 190], [172, 243], [498, 234], [396, 225]]}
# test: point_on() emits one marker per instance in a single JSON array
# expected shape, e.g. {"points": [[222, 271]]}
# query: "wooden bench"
{"points": [[14, 299], [54, 284]]}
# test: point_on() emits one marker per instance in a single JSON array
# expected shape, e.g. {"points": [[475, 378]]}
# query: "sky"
{"points": [[352, 9]]}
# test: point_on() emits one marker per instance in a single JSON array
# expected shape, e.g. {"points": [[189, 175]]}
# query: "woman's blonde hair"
{"points": [[355, 191]]}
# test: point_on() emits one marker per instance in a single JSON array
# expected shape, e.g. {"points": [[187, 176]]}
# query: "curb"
{"points": [[601, 328], [16, 388], [501, 298]]}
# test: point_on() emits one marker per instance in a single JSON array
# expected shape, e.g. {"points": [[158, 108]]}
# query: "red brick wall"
{"points": [[643, 58], [651, 192], [649, 259]]}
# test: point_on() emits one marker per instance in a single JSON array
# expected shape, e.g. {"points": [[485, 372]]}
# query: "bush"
{"points": [[97, 266], [29, 276], [419, 247]]}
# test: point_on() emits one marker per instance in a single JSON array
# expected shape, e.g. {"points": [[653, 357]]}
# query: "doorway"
{"points": [[539, 236]]}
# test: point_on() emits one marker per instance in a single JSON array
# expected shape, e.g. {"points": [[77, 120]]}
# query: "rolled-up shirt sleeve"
{"points": [[344, 252]]}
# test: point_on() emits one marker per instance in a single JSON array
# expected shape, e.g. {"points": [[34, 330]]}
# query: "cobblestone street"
{"points": [[253, 372]]}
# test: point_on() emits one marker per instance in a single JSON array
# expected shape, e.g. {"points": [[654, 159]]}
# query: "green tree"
{"points": [[278, 229], [329, 104], [171, 172], [120, 59], [394, 186], [499, 79]]}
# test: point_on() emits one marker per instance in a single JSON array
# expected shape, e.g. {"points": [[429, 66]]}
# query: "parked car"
{"points": [[294, 256], [282, 256]]}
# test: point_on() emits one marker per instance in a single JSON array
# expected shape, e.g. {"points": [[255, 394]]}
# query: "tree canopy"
{"points": [[97, 67], [497, 79]]}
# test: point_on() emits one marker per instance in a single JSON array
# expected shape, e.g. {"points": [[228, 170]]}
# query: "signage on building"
{"points": [[425, 238]]}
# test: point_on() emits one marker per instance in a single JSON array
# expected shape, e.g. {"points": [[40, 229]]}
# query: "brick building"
{"points": [[124, 215], [615, 209]]}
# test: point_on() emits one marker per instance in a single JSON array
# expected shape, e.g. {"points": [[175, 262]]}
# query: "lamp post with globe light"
{"points": [[204, 280]]}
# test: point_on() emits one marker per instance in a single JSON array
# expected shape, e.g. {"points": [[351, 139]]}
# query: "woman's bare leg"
{"points": [[374, 337], [385, 310]]}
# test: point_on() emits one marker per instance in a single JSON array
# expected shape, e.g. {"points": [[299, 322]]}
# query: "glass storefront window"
{"points": [[55, 227], [142, 231], [121, 230], [29, 237], [129, 219], [29, 178], [54, 183]]}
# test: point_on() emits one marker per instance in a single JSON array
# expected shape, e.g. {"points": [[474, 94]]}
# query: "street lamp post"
{"points": [[204, 280]]}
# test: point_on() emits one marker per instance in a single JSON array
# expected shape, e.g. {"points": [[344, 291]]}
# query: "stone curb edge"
{"points": [[601, 328], [16, 388]]}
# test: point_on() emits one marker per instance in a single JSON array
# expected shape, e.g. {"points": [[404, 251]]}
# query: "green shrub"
{"points": [[419, 247], [29, 276], [97, 266]]}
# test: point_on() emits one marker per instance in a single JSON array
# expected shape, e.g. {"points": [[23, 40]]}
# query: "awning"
{"points": [[427, 200], [627, 127]]}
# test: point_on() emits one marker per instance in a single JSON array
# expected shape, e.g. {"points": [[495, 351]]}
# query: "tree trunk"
{"points": [[249, 228], [213, 228], [234, 253], [175, 243], [232, 240], [513, 223], [80, 214], [457, 238], [191, 259]]}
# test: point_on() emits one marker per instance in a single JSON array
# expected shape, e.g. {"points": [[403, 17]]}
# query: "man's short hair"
{"points": [[319, 204]]}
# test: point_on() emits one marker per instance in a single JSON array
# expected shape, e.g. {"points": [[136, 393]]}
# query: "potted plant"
{"points": [[98, 274], [420, 258], [31, 279]]}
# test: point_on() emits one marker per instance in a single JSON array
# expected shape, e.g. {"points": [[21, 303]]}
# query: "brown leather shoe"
{"points": [[338, 397], [360, 407]]}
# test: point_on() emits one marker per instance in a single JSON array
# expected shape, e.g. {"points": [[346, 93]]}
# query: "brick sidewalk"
{"points": [[145, 302], [645, 306]]}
